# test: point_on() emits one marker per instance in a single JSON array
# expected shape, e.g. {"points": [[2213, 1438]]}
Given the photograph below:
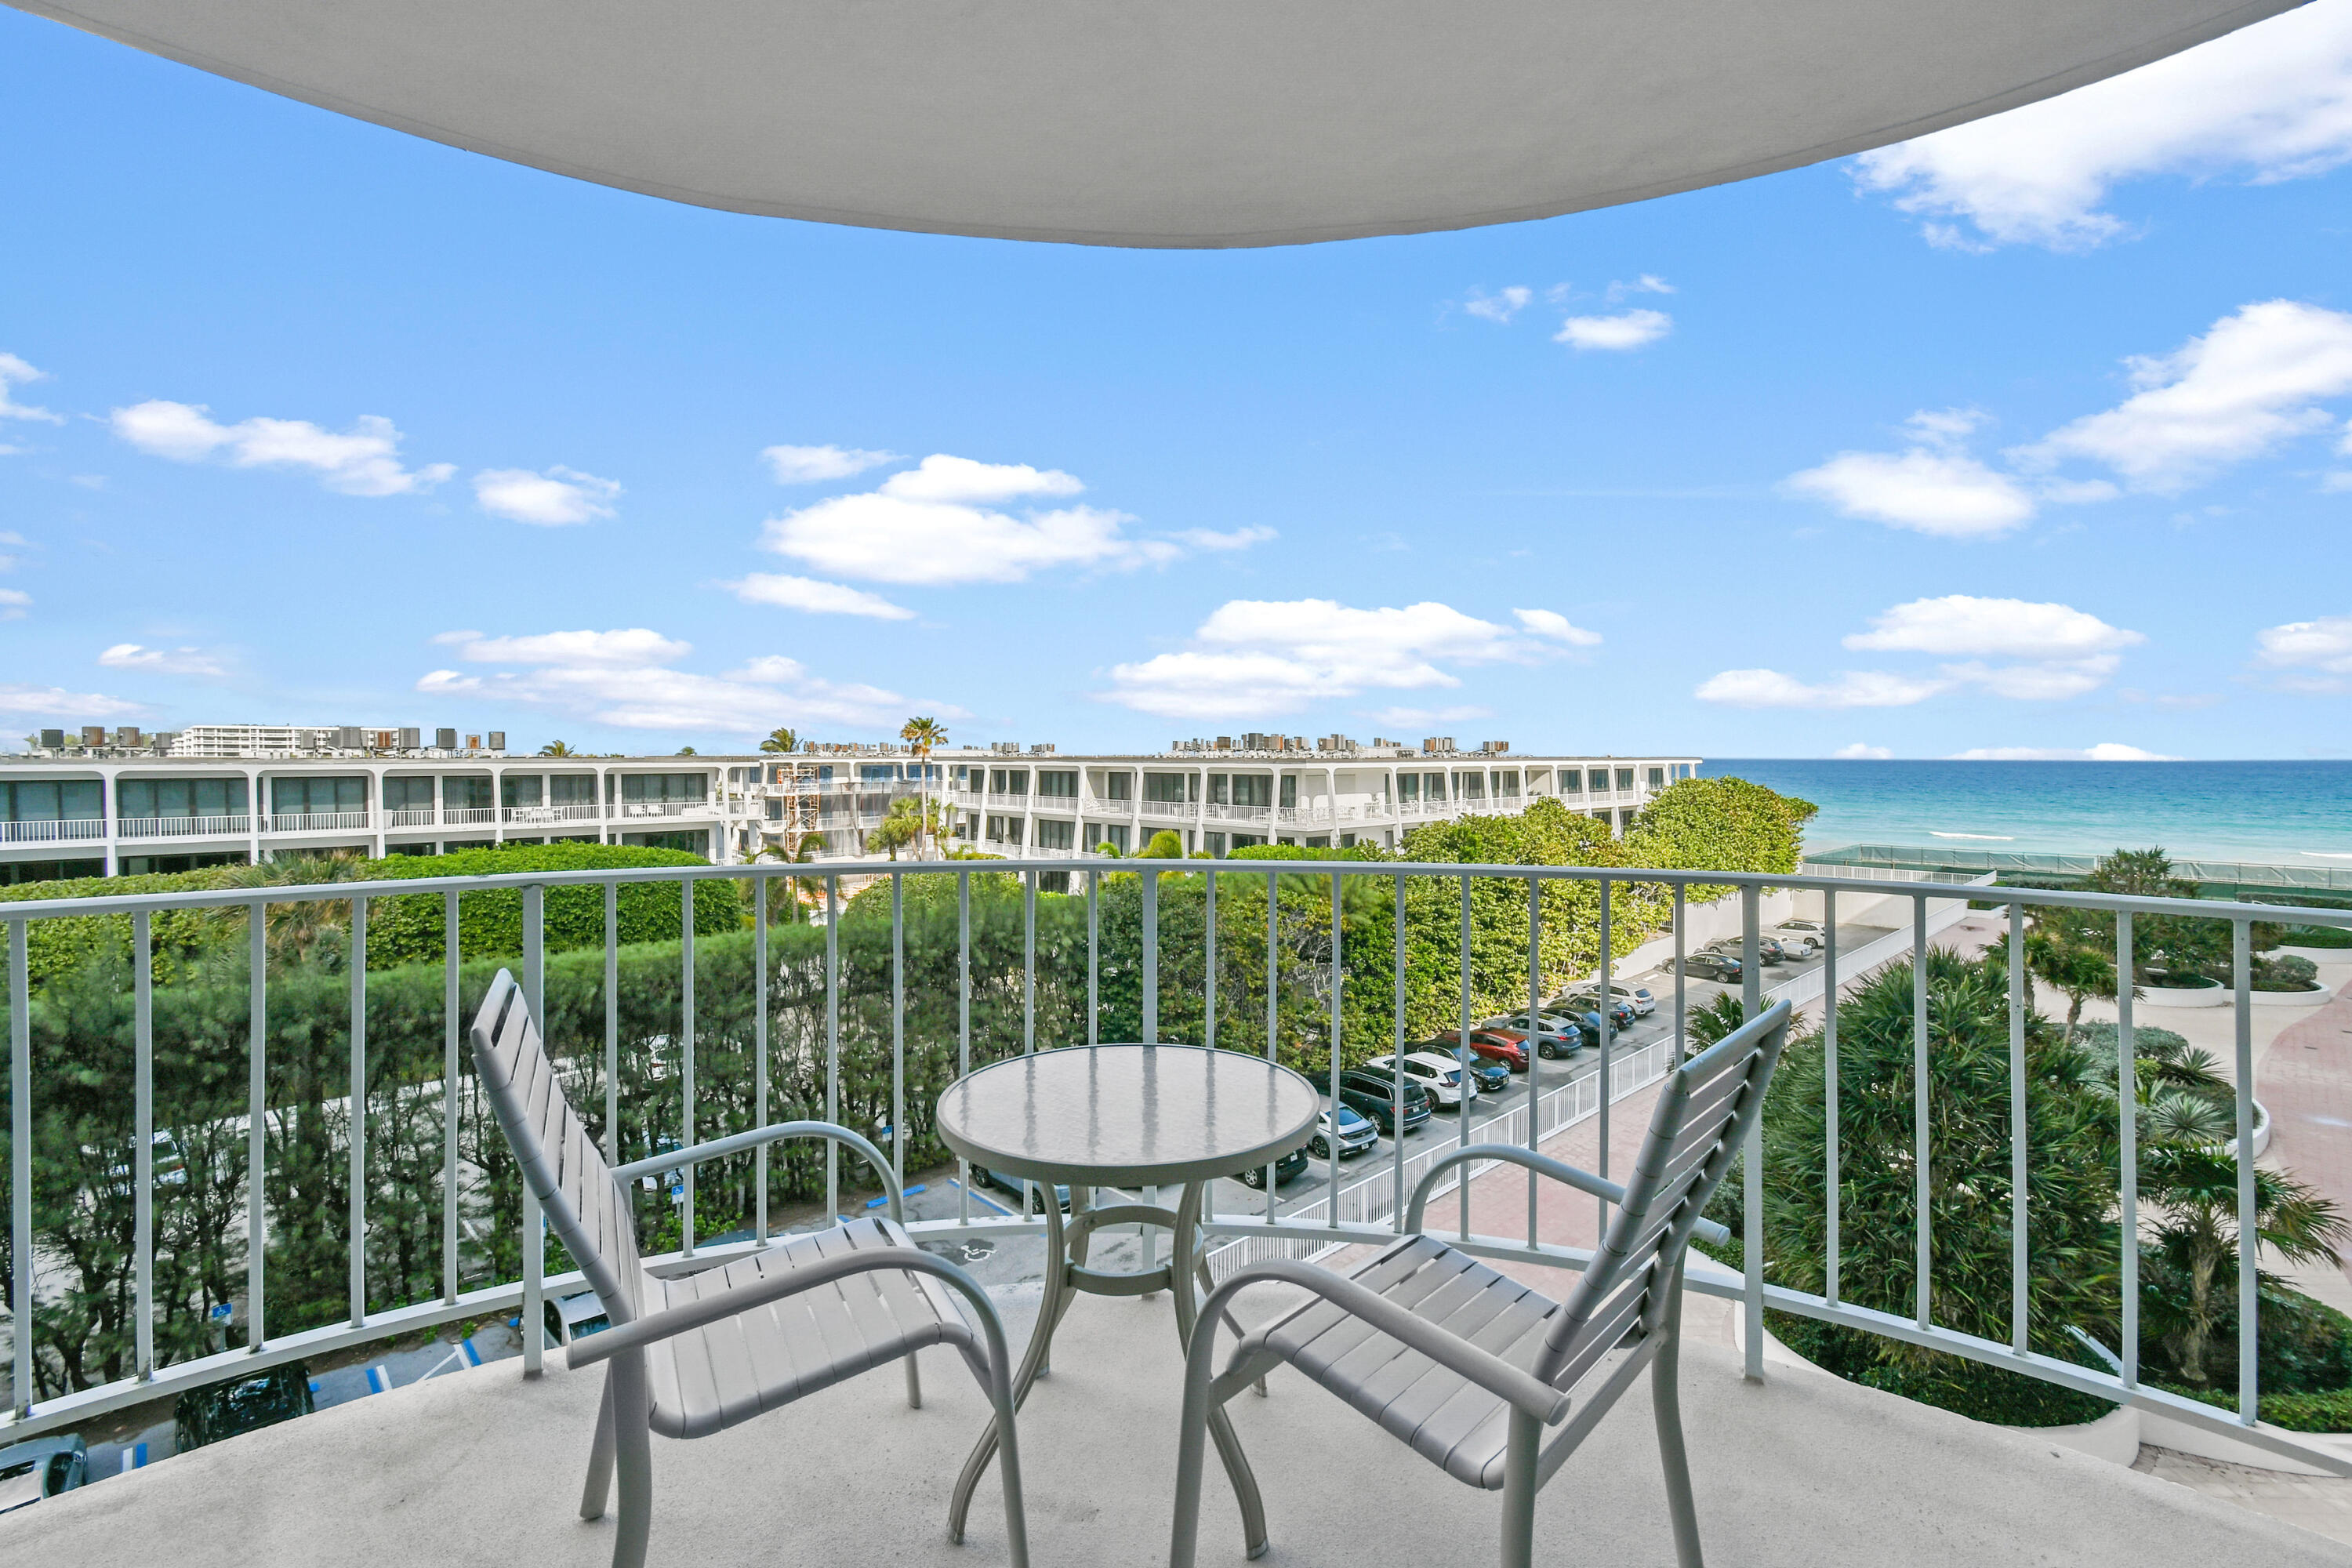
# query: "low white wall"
{"points": [[1704, 924]]}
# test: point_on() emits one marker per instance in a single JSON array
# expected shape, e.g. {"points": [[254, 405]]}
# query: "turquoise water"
{"points": [[2296, 814]]}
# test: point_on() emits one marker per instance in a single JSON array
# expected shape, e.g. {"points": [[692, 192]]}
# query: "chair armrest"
{"points": [[776, 1286], [719, 1148], [1522, 1390], [1543, 1164]]}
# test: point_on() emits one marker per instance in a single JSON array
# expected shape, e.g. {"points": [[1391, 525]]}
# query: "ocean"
{"points": [[2294, 813]]}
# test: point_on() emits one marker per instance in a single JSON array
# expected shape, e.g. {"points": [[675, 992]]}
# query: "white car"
{"points": [[1440, 1075], [1805, 936], [1637, 997]]}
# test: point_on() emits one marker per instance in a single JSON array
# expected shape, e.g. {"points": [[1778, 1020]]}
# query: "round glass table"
{"points": [[1125, 1115]]}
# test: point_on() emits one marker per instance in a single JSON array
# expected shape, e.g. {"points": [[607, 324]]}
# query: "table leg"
{"points": [[1183, 1267], [1050, 1309]]}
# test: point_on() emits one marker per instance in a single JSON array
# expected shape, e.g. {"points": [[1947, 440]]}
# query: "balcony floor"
{"points": [[485, 1467]]}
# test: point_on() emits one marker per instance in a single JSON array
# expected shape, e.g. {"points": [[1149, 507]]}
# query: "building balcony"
{"points": [[180, 827], [468, 815], [631, 810], [543, 814], [52, 832], [1173, 810], [317, 821], [1791, 1464]]}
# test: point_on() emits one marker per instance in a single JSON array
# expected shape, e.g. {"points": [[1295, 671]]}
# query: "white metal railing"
{"points": [[409, 816], [1169, 810], [544, 813], [808, 1011], [645, 808], [50, 832], [316, 820], [180, 827], [468, 815], [1218, 811]]}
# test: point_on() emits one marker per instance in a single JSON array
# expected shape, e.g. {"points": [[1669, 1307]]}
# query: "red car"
{"points": [[1505, 1046]]}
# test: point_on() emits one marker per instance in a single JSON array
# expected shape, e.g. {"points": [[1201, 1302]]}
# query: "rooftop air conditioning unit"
{"points": [[497, 740], [93, 734], [53, 740], [445, 739], [1494, 748], [411, 740], [1437, 744]]}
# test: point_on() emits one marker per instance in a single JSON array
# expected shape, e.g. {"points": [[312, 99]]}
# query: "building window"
{"points": [[1470, 786], [1254, 789], [1290, 789], [1572, 781], [143, 798], [1247, 840], [1059, 784], [571, 789], [1625, 820], [1347, 841], [316, 796], [1111, 833], [1214, 843], [685, 788], [467, 791], [1433, 787], [75, 800], [1165, 787], [1008, 781], [775, 811], [1053, 835], [1507, 783], [524, 789], [408, 795], [15, 871], [694, 841], [1118, 787], [1322, 841], [1657, 778], [1408, 788], [1601, 781], [1624, 778]]}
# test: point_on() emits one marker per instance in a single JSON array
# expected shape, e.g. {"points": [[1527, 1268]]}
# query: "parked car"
{"points": [[1488, 1076], [1587, 1004], [1716, 966], [1767, 951], [1439, 1074], [1494, 1045], [1801, 939], [221, 1410], [1355, 1134], [571, 1318], [982, 1176], [1289, 1165], [1556, 1036], [1637, 997], [1373, 1094], [42, 1468]]}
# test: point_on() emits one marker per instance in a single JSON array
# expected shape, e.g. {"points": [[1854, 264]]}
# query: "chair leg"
{"points": [[1192, 1450], [1665, 1400], [914, 1382], [633, 1446], [599, 1489], [1519, 1485]]}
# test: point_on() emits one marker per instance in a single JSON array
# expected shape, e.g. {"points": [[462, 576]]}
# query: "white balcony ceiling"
{"points": [[1213, 123]]}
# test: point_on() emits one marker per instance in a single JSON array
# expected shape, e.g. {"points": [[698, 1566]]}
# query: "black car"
{"points": [[1712, 967], [1769, 953], [1289, 1165], [1372, 1094], [221, 1410], [981, 1176]]}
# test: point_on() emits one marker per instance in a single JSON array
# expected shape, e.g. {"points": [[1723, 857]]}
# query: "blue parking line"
{"points": [[473, 1353], [379, 1379]]}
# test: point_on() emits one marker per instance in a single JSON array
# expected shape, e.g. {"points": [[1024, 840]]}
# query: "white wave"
{"points": [[2328, 854], [1988, 837]]}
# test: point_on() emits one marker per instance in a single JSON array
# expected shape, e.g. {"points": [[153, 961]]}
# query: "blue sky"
{"points": [[2028, 438]]}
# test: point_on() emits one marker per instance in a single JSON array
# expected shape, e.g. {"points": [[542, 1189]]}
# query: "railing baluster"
{"points": [[1462, 1105], [256, 1129], [1150, 956], [1681, 1042], [760, 1041], [1209, 962], [832, 1040], [533, 1327], [685, 1054], [1923, 1231], [1094, 957], [963, 1023], [1608, 1047], [1830, 1176], [143, 1151], [357, 964], [20, 1161], [613, 1022], [1534, 1053], [1396, 1130], [450, 1024], [2020, 1327], [1462, 1025], [898, 1025], [1028, 960], [1752, 1204], [2127, 1146], [2249, 1235]]}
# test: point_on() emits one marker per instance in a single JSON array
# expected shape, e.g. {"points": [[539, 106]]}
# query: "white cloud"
{"points": [[2052, 681], [809, 465], [1553, 624], [1959, 624], [56, 702], [363, 461], [1936, 487], [1209, 539], [1854, 689], [2104, 751], [14, 604], [816, 597], [2322, 646], [163, 661], [15, 372], [931, 524], [1499, 307], [2246, 387], [1261, 658], [550, 499], [2272, 101], [627, 679], [1647, 283], [1624, 331], [1864, 752]]}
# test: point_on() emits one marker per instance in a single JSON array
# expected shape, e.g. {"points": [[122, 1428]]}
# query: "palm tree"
{"points": [[923, 734], [557, 749], [782, 738]]}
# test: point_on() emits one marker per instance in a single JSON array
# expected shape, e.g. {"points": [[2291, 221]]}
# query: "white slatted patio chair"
{"points": [[1471, 1369], [695, 1354]]}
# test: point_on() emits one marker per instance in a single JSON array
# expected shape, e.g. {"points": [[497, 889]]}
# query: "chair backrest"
{"points": [[1709, 1106], [560, 1161]]}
